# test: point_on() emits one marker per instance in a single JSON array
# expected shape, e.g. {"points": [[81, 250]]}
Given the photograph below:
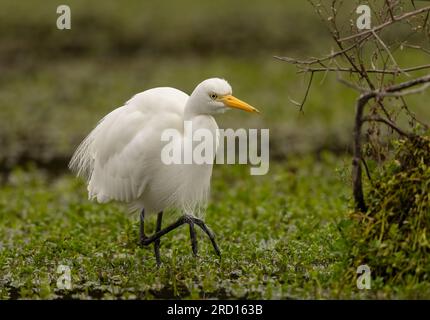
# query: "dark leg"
{"points": [[210, 234], [142, 227], [157, 242], [182, 220], [193, 237], [159, 234]]}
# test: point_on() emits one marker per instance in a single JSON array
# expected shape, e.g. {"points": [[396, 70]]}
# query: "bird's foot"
{"points": [[193, 235], [191, 220], [142, 241], [186, 219], [209, 233]]}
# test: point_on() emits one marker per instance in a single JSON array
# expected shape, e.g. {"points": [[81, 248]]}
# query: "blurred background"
{"points": [[56, 84]]}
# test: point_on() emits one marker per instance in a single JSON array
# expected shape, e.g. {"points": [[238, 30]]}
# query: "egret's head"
{"points": [[214, 96]]}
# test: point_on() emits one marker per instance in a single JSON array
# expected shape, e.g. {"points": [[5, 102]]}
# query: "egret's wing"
{"points": [[116, 157]]}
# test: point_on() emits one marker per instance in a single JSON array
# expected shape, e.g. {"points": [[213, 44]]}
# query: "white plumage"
{"points": [[121, 157]]}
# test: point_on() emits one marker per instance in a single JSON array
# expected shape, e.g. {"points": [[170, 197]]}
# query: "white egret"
{"points": [[121, 159]]}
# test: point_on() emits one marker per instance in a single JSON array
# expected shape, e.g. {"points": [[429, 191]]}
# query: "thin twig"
{"points": [[380, 71], [404, 92], [389, 123], [366, 168], [301, 105], [319, 60], [407, 84], [381, 26], [389, 53], [390, 9]]}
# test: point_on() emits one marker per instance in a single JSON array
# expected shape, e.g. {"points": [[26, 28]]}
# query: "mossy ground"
{"points": [[281, 236], [277, 233]]}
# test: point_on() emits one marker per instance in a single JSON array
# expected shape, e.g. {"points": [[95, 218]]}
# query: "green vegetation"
{"points": [[392, 236], [282, 235], [277, 234]]}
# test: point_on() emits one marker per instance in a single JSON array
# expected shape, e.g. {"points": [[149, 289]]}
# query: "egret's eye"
{"points": [[213, 96]]}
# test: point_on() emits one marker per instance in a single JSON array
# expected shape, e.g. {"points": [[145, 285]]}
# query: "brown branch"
{"points": [[407, 84], [357, 186], [381, 26], [404, 92], [300, 105], [389, 123], [358, 123], [355, 58], [366, 168], [390, 9], [389, 90], [412, 115], [351, 70], [388, 52], [362, 71], [319, 60]]}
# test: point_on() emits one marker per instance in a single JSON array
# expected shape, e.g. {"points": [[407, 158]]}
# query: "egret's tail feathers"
{"points": [[82, 162]]}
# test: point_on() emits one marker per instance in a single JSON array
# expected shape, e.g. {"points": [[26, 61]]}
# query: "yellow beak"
{"points": [[234, 102]]}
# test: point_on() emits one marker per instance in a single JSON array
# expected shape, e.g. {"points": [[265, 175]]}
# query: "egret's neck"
{"points": [[194, 119], [191, 108]]}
